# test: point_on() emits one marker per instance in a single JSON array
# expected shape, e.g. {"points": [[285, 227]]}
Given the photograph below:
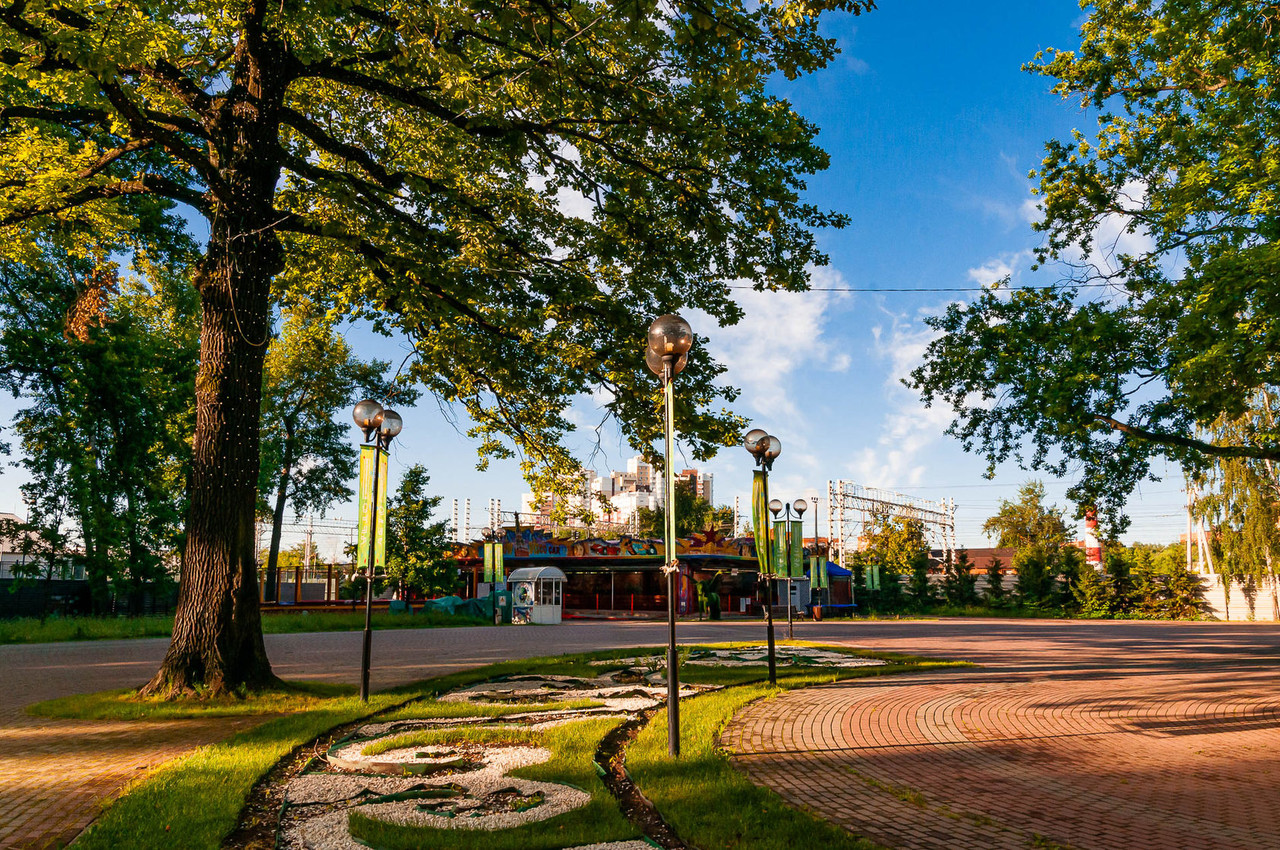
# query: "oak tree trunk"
{"points": [[217, 643]]}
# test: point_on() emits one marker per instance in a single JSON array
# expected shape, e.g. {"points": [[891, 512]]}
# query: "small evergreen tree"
{"points": [[960, 585], [995, 593], [1118, 576], [1070, 566], [418, 546], [919, 586], [1185, 592], [1094, 594], [1035, 583], [1150, 599]]}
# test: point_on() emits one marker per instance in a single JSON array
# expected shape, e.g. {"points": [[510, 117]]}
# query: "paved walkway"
{"points": [[1074, 737], [54, 775]]}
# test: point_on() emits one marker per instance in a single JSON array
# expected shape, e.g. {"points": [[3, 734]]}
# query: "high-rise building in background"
{"points": [[615, 498]]}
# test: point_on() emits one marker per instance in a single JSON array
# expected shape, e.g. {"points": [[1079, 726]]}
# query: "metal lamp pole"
{"points": [[670, 339], [776, 507], [799, 506], [766, 448], [490, 537], [380, 426]]}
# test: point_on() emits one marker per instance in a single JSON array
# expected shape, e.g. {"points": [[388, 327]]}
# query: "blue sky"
{"points": [[932, 128]]}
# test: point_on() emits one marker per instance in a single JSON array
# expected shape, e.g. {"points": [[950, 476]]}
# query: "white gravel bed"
{"points": [[758, 655], [501, 757], [616, 697], [635, 844], [559, 799]]}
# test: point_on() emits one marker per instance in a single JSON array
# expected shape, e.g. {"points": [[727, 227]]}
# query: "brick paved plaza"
{"points": [[1081, 739], [1088, 734]]}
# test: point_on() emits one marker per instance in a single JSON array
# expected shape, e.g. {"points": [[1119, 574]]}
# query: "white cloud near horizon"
{"points": [[907, 429], [780, 333]]}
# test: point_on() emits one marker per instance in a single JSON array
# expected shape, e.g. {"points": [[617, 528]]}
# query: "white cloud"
{"points": [[908, 429], [780, 333], [990, 272], [998, 268]]}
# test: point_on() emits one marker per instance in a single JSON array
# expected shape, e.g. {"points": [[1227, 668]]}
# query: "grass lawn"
{"points": [[56, 629], [195, 801]]}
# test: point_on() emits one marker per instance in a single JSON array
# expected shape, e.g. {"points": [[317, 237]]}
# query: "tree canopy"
{"points": [[418, 546], [310, 378], [104, 364], [1165, 216], [1028, 521], [694, 514], [518, 187]]}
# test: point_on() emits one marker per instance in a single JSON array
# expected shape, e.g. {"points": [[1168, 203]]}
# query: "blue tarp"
{"points": [[834, 569]]}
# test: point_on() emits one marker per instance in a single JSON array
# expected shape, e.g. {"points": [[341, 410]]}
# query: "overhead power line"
{"points": [[923, 288]]}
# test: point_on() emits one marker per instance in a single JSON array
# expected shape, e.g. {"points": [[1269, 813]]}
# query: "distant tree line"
{"points": [[1141, 581]]}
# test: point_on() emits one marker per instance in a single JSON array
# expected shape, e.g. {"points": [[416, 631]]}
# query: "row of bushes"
{"points": [[1054, 582]]}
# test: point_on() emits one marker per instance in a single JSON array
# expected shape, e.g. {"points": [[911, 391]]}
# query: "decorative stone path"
{"points": [[1151, 757]]}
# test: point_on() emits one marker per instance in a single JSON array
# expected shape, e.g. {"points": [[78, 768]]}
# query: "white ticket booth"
{"points": [[537, 595]]}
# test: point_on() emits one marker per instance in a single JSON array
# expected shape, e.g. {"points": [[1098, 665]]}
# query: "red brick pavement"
{"points": [[1175, 752]]}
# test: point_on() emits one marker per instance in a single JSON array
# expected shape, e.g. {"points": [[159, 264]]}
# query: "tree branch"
{"points": [[148, 184], [1190, 443]]}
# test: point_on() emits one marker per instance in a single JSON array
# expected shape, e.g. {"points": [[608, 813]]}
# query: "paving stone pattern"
{"points": [[1179, 752]]}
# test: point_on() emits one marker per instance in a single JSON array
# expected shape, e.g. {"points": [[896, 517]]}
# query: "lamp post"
{"points": [[490, 537], [670, 339], [380, 427], [765, 449]]}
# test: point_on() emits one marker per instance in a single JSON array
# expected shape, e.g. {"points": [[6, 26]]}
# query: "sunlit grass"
{"points": [[127, 705], [59, 629], [513, 736], [195, 801]]}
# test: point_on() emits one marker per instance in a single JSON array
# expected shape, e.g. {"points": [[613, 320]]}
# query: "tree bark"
{"points": [[217, 644]]}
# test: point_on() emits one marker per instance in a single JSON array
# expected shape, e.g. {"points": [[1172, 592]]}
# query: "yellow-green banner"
{"points": [[760, 521], [493, 570], [796, 562], [367, 454], [817, 572]]}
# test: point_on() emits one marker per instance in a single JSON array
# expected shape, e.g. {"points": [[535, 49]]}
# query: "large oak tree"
{"points": [[518, 185]]}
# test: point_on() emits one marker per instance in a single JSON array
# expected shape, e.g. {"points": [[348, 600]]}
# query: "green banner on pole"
{"points": [[817, 572], [488, 562], [796, 561], [780, 560], [499, 571], [760, 521], [367, 455]]}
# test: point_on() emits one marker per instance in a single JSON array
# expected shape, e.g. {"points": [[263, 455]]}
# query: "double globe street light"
{"points": [[799, 506], [380, 427], [670, 339], [765, 448]]}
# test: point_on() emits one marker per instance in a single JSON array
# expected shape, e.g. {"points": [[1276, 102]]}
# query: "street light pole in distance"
{"points": [[380, 426]]}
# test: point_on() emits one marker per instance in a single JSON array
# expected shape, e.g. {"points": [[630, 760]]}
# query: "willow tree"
{"points": [[519, 186]]}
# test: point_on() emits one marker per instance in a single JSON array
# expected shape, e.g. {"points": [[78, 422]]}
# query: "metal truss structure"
{"points": [[850, 507]]}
